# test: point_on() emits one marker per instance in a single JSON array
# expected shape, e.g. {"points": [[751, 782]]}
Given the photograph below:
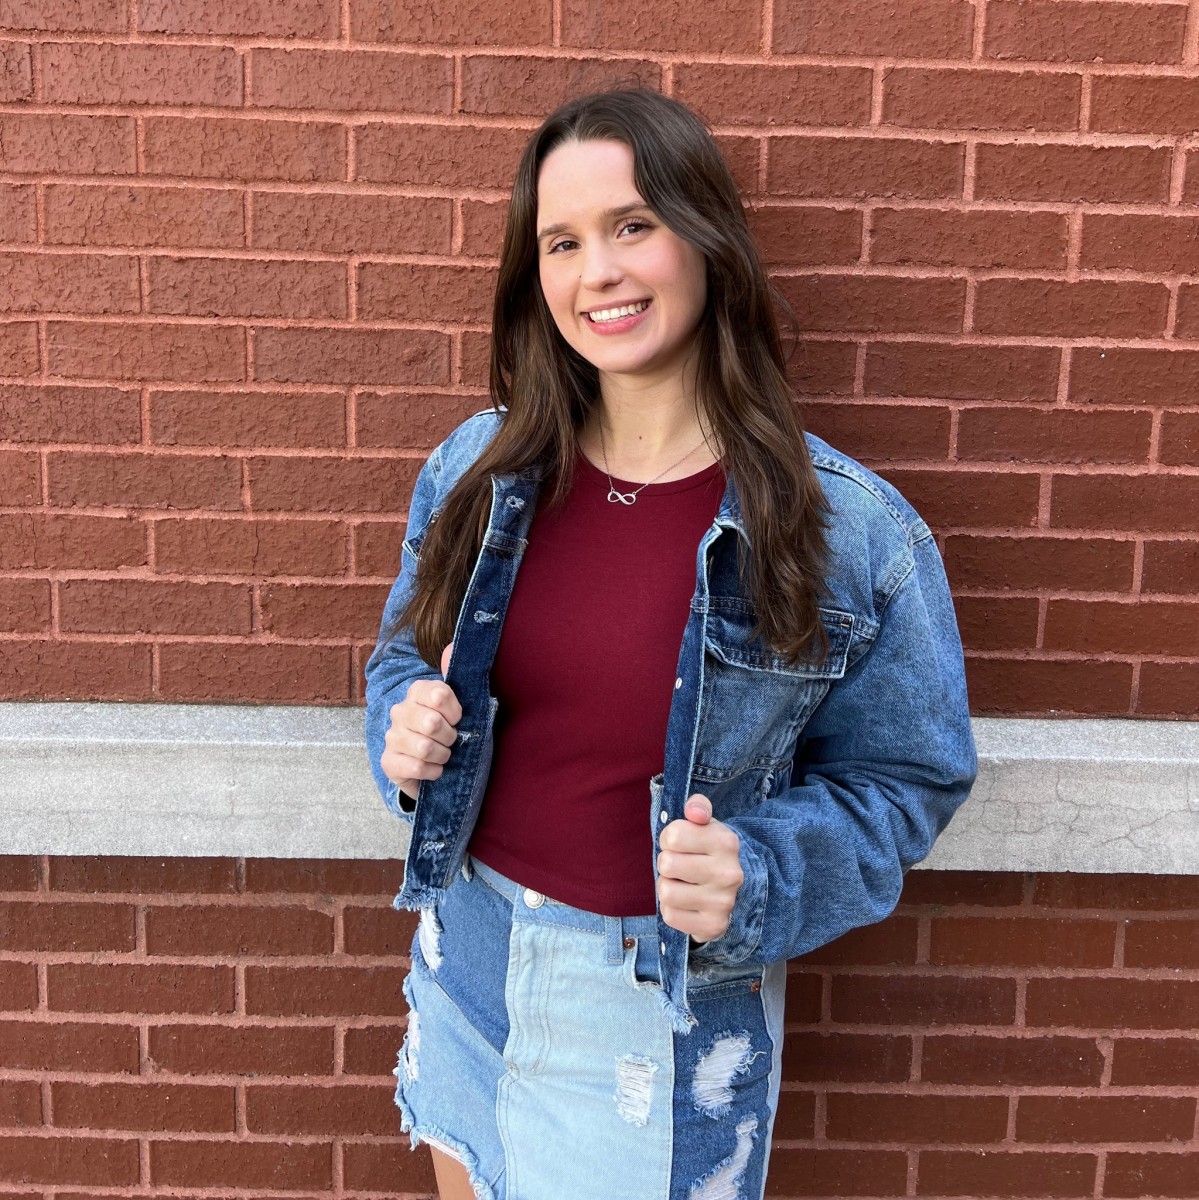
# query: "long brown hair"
{"points": [[548, 389]]}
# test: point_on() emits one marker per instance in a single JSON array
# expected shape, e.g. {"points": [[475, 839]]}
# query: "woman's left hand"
{"points": [[699, 871]]}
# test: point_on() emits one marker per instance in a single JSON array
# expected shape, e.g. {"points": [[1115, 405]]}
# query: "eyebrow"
{"points": [[608, 214]]}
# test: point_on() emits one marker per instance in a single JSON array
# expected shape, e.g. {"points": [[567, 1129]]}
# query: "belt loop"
{"points": [[614, 939]]}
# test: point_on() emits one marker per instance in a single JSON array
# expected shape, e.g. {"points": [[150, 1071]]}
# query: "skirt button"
{"points": [[533, 899]]}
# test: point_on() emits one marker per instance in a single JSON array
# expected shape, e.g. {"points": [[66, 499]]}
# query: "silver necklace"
{"points": [[618, 497]]}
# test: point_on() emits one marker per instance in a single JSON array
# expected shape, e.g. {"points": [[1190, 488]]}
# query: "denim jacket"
{"points": [[836, 777]]}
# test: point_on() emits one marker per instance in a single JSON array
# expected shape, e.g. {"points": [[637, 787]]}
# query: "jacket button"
{"points": [[678, 683], [533, 899], [662, 817]]}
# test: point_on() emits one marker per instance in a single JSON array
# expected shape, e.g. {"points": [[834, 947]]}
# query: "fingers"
{"points": [[432, 693], [418, 742], [710, 870], [698, 809], [445, 660], [686, 837], [693, 910]]}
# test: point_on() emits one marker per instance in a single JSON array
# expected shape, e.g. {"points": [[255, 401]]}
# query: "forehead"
{"points": [[581, 178]]}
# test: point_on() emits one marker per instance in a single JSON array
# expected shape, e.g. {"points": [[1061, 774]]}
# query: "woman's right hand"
{"points": [[422, 731]]}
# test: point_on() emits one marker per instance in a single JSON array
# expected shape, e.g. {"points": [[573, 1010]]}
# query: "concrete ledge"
{"points": [[195, 780]]}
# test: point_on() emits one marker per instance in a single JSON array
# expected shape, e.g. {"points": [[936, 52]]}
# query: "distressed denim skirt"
{"points": [[539, 1054]]}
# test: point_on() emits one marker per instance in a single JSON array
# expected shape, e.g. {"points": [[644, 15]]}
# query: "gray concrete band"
{"points": [[292, 782]]}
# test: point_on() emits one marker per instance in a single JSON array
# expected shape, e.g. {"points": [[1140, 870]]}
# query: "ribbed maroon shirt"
{"points": [[584, 676]]}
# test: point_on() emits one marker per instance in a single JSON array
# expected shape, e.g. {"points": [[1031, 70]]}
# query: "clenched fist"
{"points": [[699, 872], [422, 731]]}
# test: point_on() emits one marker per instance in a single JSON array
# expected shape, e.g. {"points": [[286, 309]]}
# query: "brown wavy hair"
{"points": [[548, 389]]}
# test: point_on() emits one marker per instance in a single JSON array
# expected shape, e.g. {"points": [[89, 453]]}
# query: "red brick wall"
{"points": [[232, 1024], [245, 259]]}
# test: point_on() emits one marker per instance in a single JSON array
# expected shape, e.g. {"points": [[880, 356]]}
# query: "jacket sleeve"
{"points": [[395, 663], [883, 763]]}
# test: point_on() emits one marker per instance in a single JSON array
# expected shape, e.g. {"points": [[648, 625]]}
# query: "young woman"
{"points": [[668, 692]]}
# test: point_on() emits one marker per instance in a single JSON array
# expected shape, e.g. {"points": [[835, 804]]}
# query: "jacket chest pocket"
{"points": [[754, 703]]}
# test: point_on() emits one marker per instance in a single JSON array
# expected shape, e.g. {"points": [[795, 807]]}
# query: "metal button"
{"points": [[678, 683], [630, 943], [756, 986], [533, 899], [662, 817], [662, 947]]}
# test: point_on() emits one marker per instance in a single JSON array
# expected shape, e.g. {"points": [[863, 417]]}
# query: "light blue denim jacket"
{"points": [[836, 777]]}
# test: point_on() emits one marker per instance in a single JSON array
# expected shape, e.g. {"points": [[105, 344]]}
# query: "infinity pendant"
{"points": [[615, 497]]}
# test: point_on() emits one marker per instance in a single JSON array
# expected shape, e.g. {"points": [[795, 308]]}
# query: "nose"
{"points": [[600, 268]]}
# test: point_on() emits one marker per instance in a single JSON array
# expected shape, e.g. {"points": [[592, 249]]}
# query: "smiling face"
{"points": [[625, 291]]}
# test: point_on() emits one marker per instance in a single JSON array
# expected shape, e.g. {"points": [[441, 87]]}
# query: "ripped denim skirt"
{"points": [[539, 1055]]}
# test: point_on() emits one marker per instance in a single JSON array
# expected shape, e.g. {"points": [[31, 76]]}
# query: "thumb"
{"points": [[445, 660], [698, 809]]}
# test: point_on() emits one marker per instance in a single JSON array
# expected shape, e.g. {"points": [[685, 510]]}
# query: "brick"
{"points": [[1051, 308], [128, 73], [381, 877], [1169, 690], [18, 986], [325, 991], [20, 478], [405, 421], [962, 372], [99, 215], [900, 1117], [101, 1162], [377, 549], [24, 606], [413, 292], [272, 1165], [237, 931], [822, 368], [144, 480], [352, 80], [249, 547], [371, 1049], [933, 98], [1140, 242], [377, 931], [150, 606], [1053, 435], [59, 413], [1036, 563], [885, 943], [116, 987], [1112, 1003], [54, 540], [1132, 1174], [1124, 375], [801, 235], [846, 1057], [142, 1105], [474, 356], [1104, 1119], [245, 148], [1012, 1061], [768, 95], [72, 144], [438, 155], [383, 1166], [66, 16], [145, 352], [355, 356], [1134, 893], [1020, 1173], [326, 484], [1127, 104], [800, 165], [1152, 503], [67, 1046], [84, 283], [818, 1171], [474, 23], [241, 18], [1084, 32], [1021, 942], [941, 888], [1092, 174], [1161, 944], [20, 1103], [352, 1109], [1039, 686], [18, 873], [880, 303], [18, 350], [1146, 627], [804, 992], [112, 873], [483, 223], [81, 928], [16, 72], [202, 418], [995, 623], [672, 25], [1171, 566], [879, 431], [982, 238], [1187, 322], [351, 223], [932, 29], [923, 999], [243, 287], [1155, 1062], [43, 670], [796, 1115], [527, 86], [248, 672], [959, 499], [243, 1050], [18, 214]]}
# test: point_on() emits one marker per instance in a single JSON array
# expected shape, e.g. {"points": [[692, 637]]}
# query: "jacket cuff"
{"points": [[742, 939]]}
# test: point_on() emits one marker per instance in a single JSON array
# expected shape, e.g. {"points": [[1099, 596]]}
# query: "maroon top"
{"points": [[584, 676]]}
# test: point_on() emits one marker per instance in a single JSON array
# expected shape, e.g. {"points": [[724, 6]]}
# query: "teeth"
{"points": [[625, 310]]}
